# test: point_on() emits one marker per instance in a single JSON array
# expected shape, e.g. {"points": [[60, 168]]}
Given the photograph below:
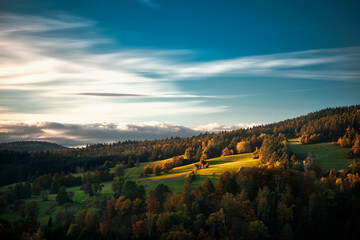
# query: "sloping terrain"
{"points": [[327, 155], [175, 180]]}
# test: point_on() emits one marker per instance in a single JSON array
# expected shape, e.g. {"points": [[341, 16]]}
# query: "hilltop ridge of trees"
{"points": [[330, 124], [33, 146]]}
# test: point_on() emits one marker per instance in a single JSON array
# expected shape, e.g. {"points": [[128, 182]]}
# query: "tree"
{"points": [[190, 153], [355, 150], [153, 204], [162, 191], [62, 196], [44, 195], [256, 153], [123, 206], [55, 187], [91, 184], [216, 223], [207, 187], [166, 167], [132, 191], [285, 213], [117, 185], [119, 170], [157, 170], [243, 147], [181, 234], [226, 151], [139, 229], [147, 170], [71, 195], [258, 230], [29, 218], [31, 210], [38, 235], [263, 208], [198, 154]]}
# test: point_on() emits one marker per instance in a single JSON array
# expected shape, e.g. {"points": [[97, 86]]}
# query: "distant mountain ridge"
{"points": [[32, 146]]}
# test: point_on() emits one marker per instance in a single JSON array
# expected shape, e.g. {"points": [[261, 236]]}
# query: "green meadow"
{"points": [[327, 155]]}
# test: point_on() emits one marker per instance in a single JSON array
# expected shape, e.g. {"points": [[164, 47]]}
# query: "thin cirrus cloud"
{"points": [[313, 64], [54, 69], [81, 134], [63, 75]]}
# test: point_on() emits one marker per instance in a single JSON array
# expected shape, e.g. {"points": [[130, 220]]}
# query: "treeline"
{"points": [[325, 125], [259, 203], [331, 128], [31, 146]]}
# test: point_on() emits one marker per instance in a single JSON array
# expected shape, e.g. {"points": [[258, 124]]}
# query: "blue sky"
{"points": [[172, 65]]}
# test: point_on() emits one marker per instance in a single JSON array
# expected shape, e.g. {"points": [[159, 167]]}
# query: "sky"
{"points": [[79, 72]]}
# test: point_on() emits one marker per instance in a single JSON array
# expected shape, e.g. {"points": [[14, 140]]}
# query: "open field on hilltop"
{"points": [[217, 166], [231, 163], [328, 155], [222, 164]]}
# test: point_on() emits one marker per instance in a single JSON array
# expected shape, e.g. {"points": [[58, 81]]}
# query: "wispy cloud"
{"points": [[216, 127], [340, 64], [111, 94], [64, 75], [82, 134], [53, 69]]}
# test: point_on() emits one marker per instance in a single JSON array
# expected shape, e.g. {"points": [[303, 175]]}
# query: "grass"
{"points": [[217, 166], [175, 179], [327, 155]]}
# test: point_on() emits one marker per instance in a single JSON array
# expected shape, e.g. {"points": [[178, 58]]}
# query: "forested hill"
{"points": [[30, 146], [340, 124]]}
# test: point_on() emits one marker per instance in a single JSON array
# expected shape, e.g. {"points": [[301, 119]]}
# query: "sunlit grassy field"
{"points": [[328, 155], [217, 166], [230, 163]]}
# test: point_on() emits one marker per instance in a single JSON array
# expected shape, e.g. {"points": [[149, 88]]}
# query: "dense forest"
{"points": [[283, 198], [258, 203]]}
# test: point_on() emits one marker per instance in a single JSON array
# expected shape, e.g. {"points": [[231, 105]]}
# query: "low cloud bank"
{"points": [[81, 134]]}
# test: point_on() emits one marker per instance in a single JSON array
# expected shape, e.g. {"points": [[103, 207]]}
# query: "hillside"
{"points": [[33, 146], [327, 125], [175, 180], [327, 155], [248, 182]]}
